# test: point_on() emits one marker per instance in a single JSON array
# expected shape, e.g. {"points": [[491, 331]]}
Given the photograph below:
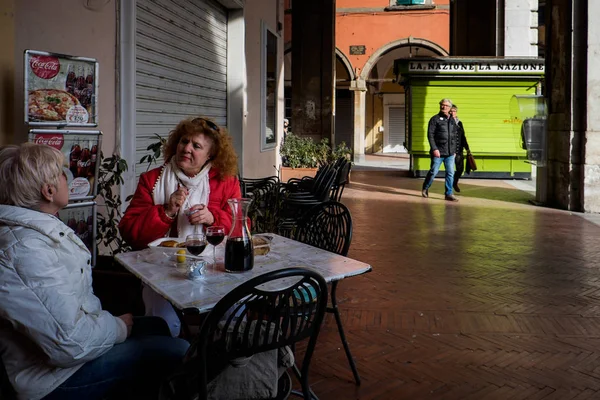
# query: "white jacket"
{"points": [[50, 321]]}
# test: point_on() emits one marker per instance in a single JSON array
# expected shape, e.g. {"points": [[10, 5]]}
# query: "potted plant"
{"points": [[301, 156]]}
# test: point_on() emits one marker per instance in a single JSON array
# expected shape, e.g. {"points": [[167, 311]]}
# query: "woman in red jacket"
{"points": [[191, 188]]}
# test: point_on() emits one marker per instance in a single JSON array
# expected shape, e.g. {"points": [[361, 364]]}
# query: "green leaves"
{"points": [[156, 149], [302, 152], [110, 177]]}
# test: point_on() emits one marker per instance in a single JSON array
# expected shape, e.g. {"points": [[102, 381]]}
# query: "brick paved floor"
{"points": [[487, 298]]}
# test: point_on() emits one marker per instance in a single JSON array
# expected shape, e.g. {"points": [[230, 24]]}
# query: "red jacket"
{"points": [[145, 221]]}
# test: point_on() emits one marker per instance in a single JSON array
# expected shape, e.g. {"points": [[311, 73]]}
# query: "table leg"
{"points": [[334, 309], [187, 334]]}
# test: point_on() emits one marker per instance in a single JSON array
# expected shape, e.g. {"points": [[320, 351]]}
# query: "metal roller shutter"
{"points": [[181, 66], [395, 130]]}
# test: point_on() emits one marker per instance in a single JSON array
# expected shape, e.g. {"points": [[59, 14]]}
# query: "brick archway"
{"points": [[410, 41]]}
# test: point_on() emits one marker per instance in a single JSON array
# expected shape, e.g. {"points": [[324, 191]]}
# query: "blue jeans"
{"points": [[436, 163], [133, 369]]}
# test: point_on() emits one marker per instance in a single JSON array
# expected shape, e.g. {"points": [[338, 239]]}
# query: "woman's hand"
{"points": [[176, 201], [128, 319], [199, 214]]}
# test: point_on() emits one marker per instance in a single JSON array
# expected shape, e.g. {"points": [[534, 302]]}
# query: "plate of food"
{"points": [[262, 244], [167, 245]]}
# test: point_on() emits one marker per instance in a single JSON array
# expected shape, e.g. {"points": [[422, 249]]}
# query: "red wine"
{"points": [[239, 255], [215, 239], [196, 248]]}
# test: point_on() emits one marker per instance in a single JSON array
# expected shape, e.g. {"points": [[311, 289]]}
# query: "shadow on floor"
{"points": [[470, 188]]}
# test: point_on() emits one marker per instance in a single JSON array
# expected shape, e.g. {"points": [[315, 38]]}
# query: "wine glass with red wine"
{"points": [[215, 235], [195, 244]]}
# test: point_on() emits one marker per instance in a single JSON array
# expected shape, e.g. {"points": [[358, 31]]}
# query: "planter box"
{"points": [[285, 173]]}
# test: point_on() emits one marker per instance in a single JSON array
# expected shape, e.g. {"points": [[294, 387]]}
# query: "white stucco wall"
{"points": [[257, 163], [67, 27], [520, 33]]}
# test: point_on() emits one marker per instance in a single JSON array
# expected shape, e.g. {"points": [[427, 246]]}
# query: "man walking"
{"points": [[460, 145], [441, 134]]}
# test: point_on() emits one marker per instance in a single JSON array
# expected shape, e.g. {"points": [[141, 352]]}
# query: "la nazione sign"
{"points": [[475, 67]]}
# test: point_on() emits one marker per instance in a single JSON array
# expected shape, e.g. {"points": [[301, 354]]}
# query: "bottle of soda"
{"points": [[83, 165], [71, 79], [94, 155], [74, 159], [81, 78]]}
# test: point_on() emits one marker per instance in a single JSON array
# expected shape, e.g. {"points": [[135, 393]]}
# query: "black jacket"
{"points": [[442, 135], [462, 139]]}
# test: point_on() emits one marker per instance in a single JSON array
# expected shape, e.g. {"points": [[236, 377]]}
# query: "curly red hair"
{"points": [[223, 156]]}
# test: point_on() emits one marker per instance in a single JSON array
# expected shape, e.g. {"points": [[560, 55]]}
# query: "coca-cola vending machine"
{"points": [[81, 218], [60, 90], [82, 158]]}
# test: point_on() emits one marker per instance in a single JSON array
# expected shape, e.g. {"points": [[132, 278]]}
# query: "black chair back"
{"points": [[321, 190], [327, 226], [263, 211], [340, 181], [265, 313]]}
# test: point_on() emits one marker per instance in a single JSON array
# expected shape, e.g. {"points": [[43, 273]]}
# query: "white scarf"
{"points": [[170, 179]]}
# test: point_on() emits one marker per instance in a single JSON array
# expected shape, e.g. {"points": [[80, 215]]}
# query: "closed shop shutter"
{"points": [[395, 130], [482, 106], [181, 67]]}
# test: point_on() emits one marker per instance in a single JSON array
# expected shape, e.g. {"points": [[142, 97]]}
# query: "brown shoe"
{"points": [[451, 198], [425, 193]]}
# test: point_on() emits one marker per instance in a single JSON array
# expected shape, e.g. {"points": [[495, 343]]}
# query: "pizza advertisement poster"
{"points": [[82, 158], [81, 217], [60, 90]]}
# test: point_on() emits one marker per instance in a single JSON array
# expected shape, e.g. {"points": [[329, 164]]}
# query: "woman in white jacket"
{"points": [[56, 342]]}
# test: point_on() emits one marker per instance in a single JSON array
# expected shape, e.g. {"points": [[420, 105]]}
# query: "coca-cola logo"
{"points": [[46, 67], [50, 139]]}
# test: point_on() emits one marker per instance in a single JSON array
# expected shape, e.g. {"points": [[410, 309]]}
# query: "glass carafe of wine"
{"points": [[239, 251]]}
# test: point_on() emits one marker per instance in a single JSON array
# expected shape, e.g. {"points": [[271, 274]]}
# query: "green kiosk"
{"points": [[482, 89]]}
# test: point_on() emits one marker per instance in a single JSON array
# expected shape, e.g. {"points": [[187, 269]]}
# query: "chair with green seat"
{"points": [[268, 312]]}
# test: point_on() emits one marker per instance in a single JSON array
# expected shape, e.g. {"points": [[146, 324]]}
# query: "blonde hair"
{"points": [[222, 154], [25, 169]]}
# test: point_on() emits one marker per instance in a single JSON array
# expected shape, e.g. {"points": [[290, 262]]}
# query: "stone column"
{"points": [[566, 80], [591, 168], [520, 23], [359, 87], [313, 68]]}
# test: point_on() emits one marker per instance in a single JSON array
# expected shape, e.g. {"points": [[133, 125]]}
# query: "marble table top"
{"points": [[161, 272]]}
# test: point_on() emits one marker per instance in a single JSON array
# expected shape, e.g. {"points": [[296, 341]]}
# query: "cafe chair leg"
{"points": [[334, 309], [299, 393]]}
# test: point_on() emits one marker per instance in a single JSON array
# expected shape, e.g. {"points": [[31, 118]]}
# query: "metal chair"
{"points": [[267, 312], [328, 226], [263, 211], [340, 181], [293, 205]]}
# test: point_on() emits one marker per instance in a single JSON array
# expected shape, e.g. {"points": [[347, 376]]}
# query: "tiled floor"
{"points": [[487, 298]]}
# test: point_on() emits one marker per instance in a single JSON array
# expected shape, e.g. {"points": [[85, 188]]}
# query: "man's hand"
{"points": [[128, 319], [176, 201], [436, 153], [199, 214]]}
